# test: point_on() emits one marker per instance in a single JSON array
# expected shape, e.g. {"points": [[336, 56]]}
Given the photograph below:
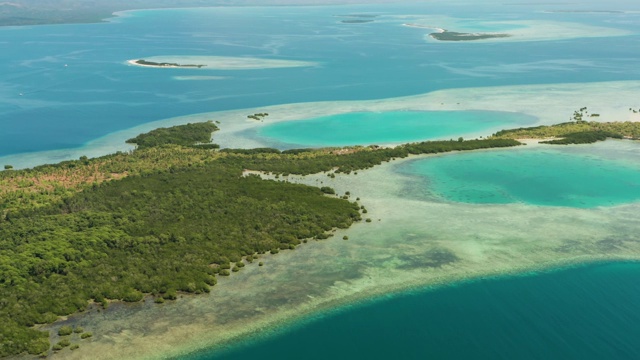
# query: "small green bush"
{"points": [[133, 296], [65, 330], [327, 190], [86, 335], [78, 329], [64, 342], [345, 237], [170, 295]]}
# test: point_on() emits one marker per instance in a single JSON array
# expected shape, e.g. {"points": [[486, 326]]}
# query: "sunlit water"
{"points": [[588, 312], [389, 127], [538, 177]]}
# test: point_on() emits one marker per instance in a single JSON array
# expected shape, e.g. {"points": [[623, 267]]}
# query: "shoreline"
{"points": [[333, 274], [135, 62], [280, 327]]}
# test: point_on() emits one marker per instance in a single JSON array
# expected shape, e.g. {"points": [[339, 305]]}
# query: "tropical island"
{"points": [[143, 62], [122, 227], [175, 214], [446, 35]]}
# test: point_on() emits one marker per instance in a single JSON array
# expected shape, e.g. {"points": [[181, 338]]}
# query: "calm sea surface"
{"points": [[538, 176], [45, 105], [389, 127], [590, 312], [65, 85]]}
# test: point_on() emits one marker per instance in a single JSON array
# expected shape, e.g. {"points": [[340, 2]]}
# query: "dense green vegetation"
{"points": [[579, 132], [348, 159], [160, 220], [154, 234], [584, 137], [185, 135]]}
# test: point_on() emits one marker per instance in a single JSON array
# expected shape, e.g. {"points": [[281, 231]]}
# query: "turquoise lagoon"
{"points": [[538, 176], [365, 128]]}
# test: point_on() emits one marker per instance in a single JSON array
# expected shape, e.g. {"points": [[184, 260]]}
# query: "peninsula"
{"points": [[167, 218]]}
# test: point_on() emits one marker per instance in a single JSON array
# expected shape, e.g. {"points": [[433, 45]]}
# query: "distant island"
{"points": [[446, 35], [143, 62]]}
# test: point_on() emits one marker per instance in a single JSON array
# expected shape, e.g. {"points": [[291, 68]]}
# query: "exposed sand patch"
{"points": [[199, 78]]}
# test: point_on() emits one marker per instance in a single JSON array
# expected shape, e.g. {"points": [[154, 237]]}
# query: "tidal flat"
{"points": [[410, 243]]}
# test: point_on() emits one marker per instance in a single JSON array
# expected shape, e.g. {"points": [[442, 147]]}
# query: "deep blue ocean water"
{"points": [[589, 312]]}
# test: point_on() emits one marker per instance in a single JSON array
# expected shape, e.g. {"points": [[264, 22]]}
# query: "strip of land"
{"points": [[512, 30], [146, 63], [217, 62], [460, 36]]}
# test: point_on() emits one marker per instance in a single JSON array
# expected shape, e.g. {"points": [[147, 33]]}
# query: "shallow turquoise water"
{"points": [[365, 128], [590, 312], [539, 176]]}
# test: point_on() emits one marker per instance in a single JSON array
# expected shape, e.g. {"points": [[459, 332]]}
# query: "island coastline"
{"points": [[163, 65], [355, 291]]}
